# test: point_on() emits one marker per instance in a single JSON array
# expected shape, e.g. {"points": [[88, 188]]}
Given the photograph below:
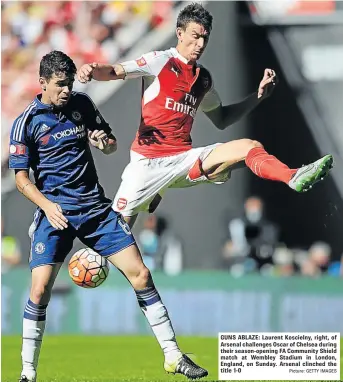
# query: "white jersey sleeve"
{"points": [[211, 100], [148, 65]]}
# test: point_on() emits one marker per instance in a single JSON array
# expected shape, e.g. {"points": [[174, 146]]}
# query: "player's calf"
{"points": [[34, 319], [156, 314], [267, 166], [33, 331], [129, 262]]}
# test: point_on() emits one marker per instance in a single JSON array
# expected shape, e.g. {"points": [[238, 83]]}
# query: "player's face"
{"points": [[192, 41], [57, 90]]}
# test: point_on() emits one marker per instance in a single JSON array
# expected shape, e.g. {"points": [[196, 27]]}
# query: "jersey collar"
{"points": [[181, 58], [42, 105]]}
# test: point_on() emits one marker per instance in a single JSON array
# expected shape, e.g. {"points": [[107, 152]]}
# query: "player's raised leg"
{"points": [[43, 278], [264, 165], [129, 262]]}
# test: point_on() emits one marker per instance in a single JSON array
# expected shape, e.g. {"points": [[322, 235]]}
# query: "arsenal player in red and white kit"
{"points": [[174, 87]]}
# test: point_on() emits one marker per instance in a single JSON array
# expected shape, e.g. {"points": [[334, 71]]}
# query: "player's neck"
{"points": [[184, 55], [45, 99]]}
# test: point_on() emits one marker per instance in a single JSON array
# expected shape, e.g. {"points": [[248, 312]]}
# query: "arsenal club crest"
{"points": [[121, 203]]}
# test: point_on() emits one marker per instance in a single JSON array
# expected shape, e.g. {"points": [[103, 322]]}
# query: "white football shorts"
{"points": [[145, 179]]}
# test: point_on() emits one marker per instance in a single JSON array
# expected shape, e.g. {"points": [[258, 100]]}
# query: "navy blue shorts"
{"points": [[101, 229]]}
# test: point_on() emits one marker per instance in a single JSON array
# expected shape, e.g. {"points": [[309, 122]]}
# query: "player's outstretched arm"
{"points": [[52, 210], [149, 64], [100, 72], [224, 116]]}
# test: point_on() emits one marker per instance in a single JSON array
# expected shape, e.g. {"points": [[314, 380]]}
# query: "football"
{"points": [[88, 269]]}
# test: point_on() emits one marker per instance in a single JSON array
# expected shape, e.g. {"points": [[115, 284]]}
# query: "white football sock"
{"points": [[33, 330], [157, 315]]}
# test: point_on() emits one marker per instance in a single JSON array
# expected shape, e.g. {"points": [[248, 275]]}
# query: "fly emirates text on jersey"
{"points": [[187, 108]]}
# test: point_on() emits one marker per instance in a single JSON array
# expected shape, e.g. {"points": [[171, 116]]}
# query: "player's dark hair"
{"points": [[195, 13], [56, 62]]}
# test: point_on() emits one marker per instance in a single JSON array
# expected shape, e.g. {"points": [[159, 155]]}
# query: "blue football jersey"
{"points": [[54, 144]]}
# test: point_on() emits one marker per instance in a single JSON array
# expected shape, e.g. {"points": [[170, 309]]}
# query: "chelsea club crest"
{"points": [[76, 115], [39, 248]]}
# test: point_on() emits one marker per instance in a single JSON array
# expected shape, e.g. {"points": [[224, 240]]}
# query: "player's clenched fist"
{"points": [[85, 73], [98, 139], [267, 84], [53, 212]]}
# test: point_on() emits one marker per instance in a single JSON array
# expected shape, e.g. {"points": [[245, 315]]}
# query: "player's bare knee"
{"points": [[142, 279], [257, 144], [40, 294], [249, 144]]}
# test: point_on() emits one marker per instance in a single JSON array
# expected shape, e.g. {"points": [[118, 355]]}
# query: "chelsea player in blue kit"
{"points": [[52, 138]]}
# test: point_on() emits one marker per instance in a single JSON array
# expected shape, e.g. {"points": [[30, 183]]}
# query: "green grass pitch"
{"points": [[107, 358]]}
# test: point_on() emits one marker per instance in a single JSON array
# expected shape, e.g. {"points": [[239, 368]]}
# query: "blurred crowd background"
{"points": [[251, 245], [249, 241], [88, 31]]}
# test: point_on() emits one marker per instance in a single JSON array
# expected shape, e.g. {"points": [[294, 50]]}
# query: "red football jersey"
{"points": [[172, 92]]}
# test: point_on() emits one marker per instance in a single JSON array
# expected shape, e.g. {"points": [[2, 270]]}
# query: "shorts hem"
{"points": [[118, 250], [128, 214], [178, 178], [38, 264], [18, 168]]}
